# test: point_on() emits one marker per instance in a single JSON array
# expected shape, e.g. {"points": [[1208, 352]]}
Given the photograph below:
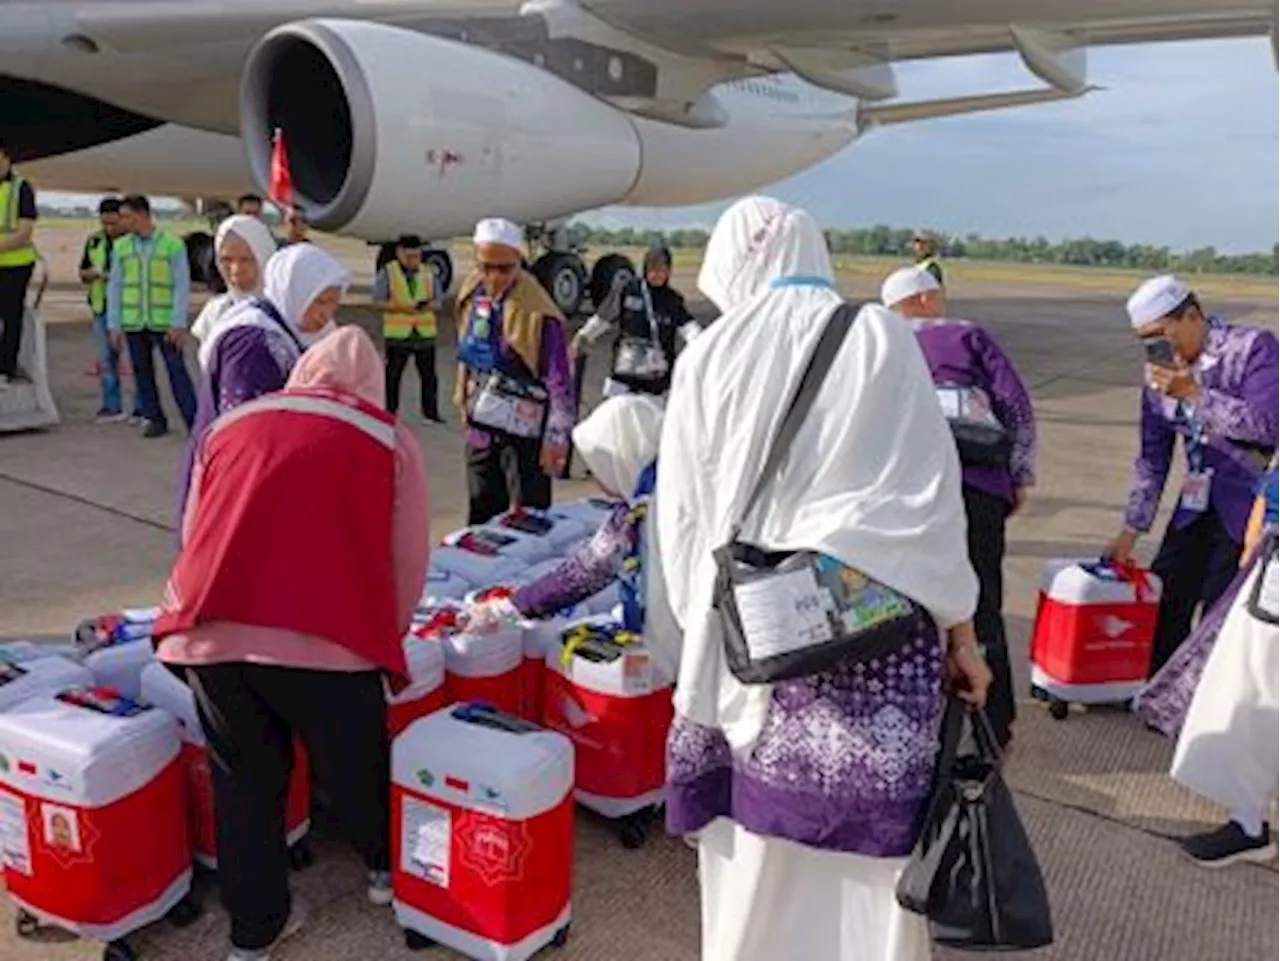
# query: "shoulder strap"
{"points": [[824, 354], [268, 308]]}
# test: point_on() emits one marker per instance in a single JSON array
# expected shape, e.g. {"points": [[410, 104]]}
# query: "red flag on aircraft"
{"points": [[281, 179]]}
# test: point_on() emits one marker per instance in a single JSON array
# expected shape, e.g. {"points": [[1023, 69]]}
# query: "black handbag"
{"points": [[790, 614], [980, 441], [973, 872]]}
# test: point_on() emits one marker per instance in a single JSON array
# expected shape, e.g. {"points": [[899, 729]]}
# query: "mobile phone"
{"points": [[1159, 351]]}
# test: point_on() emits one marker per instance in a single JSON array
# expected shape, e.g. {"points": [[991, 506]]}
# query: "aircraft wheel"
{"points": [[441, 265], [565, 279], [606, 272]]}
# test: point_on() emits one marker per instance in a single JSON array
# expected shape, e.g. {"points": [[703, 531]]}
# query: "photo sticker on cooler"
{"points": [[104, 700], [61, 828]]}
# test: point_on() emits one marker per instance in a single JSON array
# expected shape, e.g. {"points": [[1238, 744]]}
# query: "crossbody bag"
{"points": [[509, 405], [642, 358], [790, 614], [981, 440]]}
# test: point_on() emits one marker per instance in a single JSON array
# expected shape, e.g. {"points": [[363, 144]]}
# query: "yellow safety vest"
{"points": [[146, 298], [402, 326], [99, 247], [10, 191]]}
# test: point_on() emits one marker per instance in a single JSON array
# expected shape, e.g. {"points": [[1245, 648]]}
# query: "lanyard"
{"points": [[1195, 438], [648, 310], [799, 280]]}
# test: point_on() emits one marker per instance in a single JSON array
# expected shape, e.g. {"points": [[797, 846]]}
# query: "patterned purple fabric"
{"points": [[844, 763], [555, 374], [1164, 702], [589, 569], [1237, 409], [961, 352], [247, 363]]}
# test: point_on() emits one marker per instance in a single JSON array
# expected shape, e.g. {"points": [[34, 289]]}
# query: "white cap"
{"points": [[907, 282], [496, 230], [1156, 298]]}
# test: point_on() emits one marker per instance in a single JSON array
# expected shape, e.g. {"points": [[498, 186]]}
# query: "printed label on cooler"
{"points": [[426, 848], [15, 839]]}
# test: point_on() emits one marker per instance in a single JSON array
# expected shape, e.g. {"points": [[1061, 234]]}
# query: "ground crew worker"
{"points": [[925, 249], [95, 267], [650, 316], [513, 387], [1213, 385], [971, 371], [18, 216], [406, 292], [148, 294], [250, 205]]}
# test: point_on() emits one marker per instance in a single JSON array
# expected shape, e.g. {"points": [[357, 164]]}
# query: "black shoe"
{"points": [[155, 429], [1227, 845]]}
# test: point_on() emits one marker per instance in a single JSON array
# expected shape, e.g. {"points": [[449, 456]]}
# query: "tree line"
{"points": [[883, 241]]}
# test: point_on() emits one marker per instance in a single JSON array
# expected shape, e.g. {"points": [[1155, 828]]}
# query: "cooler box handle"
{"points": [[483, 714], [104, 700], [1127, 573]]}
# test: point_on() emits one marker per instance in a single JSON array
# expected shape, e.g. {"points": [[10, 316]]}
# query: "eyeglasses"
{"points": [[497, 268]]}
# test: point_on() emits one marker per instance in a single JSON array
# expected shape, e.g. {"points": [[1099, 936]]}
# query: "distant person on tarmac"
{"points": [[95, 267], [514, 388], [651, 318], [249, 205], [148, 298], [969, 367], [405, 290], [925, 249], [18, 215], [1214, 385]]}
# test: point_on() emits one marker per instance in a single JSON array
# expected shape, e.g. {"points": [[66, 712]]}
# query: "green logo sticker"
{"points": [[426, 778]]}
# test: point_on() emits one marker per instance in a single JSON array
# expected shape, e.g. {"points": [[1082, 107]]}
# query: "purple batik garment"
{"points": [[1237, 372], [588, 570], [960, 352], [844, 762], [247, 362], [1164, 702]]}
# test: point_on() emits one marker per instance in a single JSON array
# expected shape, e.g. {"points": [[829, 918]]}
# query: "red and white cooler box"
{"points": [[591, 512], [130, 624], [557, 534], [120, 665], [539, 638], [161, 688], [608, 699], [1093, 631], [479, 556], [482, 833], [23, 680], [93, 826], [426, 691], [484, 667]]}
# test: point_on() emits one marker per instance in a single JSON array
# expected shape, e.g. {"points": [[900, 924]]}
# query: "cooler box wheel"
{"points": [[415, 941], [1038, 693], [118, 951], [183, 914], [633, 830], [25, 924], [1058, 710], [301, 856], [561, 937]]}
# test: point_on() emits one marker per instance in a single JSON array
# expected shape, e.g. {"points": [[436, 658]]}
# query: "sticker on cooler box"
{"points": [[10, 672], [104, 700], [427, 842], [528, 524], [15, 839], [636, 673], [484, 542], [61, 828], [493, 848]]}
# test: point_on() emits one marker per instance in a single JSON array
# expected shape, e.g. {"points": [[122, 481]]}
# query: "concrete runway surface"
{"points": [[84, 517]]}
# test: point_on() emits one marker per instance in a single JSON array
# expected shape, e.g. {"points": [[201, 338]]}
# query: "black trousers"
{"points": [[13, 306], [250, 714], [987, 515], [142, 347], [424, 358], [1196, 565], [508, 472]]}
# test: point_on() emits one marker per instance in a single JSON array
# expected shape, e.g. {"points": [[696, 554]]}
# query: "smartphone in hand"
{"points": [[1159, 352]]}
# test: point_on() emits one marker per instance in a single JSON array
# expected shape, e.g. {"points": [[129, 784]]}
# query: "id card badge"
{"points": [[1195, 491]]}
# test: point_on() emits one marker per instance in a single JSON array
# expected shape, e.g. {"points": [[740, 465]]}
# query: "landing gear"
{"points": [[565, 279], [608, 271]]}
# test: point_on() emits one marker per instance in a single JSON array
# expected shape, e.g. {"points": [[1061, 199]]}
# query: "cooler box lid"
{"points": [[21, 681], [1090, 581]]}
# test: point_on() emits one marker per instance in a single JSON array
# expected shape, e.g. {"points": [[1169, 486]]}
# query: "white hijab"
{"points": [[619, 440], [261, 244], [293, 278], [873, 477]]}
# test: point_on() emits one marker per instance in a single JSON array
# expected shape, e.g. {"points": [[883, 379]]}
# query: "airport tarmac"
{"points": [[85, 512]]}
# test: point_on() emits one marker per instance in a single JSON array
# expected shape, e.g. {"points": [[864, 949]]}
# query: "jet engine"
{"points": [[389, 131]]}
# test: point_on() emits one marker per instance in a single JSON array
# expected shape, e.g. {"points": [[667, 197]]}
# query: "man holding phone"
{"points": [[406, 292], [1215, 386]]}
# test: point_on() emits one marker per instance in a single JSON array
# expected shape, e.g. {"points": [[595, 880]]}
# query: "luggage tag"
{"points": [[1195, 490]]}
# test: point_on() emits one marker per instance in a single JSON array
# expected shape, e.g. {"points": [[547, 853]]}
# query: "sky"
{"points": [[1179, 150]]}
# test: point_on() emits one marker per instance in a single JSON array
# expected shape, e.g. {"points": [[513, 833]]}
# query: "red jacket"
{"points": [[293, 525]]}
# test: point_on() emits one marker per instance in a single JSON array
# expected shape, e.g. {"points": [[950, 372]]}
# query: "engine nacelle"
{"points": [[391, 131]]}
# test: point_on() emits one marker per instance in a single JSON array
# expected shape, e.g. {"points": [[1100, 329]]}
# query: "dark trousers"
{"points": [[987, 514], [13, 306], [250, 714], [424, 358], [507, 473], [142, 346], [1196, 565]]}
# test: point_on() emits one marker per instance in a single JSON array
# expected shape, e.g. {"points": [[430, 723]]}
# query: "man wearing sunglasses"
{"points": [[514, 388], [1214, 385]]}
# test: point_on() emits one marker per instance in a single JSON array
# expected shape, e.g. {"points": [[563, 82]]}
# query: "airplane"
{"points": [[422, 116]]}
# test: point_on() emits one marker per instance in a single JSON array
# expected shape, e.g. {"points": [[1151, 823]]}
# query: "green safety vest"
{"points": [[98, 249], [402, 326], [10, 191], [931, 264], [146, 297]]}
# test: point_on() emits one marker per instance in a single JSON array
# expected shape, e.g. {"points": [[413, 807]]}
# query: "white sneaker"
{"points": [[379, 890], [297, 918]]}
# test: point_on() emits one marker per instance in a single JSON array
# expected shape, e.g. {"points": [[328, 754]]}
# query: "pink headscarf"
{"points": [[346, 360]]}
